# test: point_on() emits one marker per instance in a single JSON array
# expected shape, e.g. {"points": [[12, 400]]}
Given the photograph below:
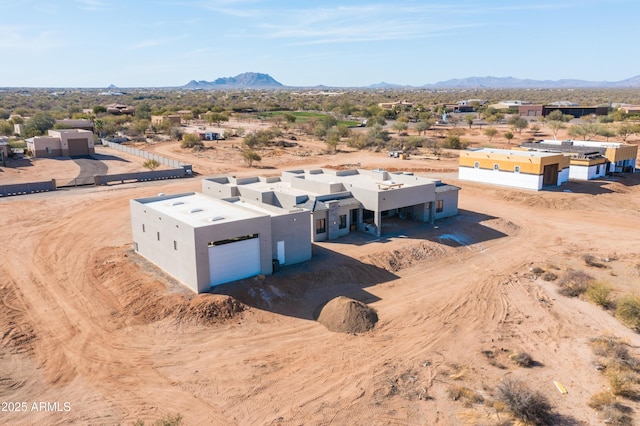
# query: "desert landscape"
{"points": [[463, 307]]}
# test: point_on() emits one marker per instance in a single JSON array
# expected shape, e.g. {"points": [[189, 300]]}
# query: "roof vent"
{"points": [[177, 203], [195, 210], [216, 218]]}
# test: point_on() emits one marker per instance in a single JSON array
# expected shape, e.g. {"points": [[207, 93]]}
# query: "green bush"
{"points": [[599, 293], [628, 311], [190, 140]]}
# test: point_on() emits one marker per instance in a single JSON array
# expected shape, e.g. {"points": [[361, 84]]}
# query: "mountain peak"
{"points": [[248, 80]]}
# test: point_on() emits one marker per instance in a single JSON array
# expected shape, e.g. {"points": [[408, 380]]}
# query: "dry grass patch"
{"points": [[628, 311], [599, 293], [462, 393], [611, 410]]}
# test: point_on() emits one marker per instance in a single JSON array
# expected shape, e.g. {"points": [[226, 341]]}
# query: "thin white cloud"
{"points": [[145, 44], [373, 22], [28, 39], [236, 8], [92, 5]]}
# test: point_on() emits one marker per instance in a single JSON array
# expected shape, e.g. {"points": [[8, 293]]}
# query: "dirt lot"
{"points": [[88, 323]]}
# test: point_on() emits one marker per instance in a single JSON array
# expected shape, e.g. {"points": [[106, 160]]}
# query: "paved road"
{"points": [[88, 168]]}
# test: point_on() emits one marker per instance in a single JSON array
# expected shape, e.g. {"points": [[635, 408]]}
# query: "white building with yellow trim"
{"points": [[613, 157], [518, 169]]}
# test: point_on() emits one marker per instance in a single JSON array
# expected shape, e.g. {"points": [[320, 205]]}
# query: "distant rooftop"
{"points": [[513, 152]]}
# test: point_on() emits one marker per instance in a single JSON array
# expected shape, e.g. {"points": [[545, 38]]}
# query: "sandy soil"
{"points": [[87, 322]]}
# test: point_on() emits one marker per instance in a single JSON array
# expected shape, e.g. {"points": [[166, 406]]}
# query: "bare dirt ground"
{"points": [[87, 322]]}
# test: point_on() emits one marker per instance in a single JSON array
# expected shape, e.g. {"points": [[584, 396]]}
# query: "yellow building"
{"points": [[519, 169], [618, 157]]}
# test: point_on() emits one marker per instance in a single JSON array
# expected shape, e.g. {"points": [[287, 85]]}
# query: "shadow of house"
{"points": [[298, 290]]}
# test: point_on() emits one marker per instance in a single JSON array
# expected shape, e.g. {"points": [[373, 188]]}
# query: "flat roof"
{"points": [[198, 210], [590, 144], [514, 152], [363, 179], [278, 186]]}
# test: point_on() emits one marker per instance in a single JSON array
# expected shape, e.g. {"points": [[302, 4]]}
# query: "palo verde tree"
{"points": [[508, 136], [490, 132], [518, 124], [469, 119]]}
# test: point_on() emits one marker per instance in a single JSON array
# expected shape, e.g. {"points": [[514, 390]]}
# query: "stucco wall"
{"points": [[294, 229], [180, 263], [188, 260], [516, 180], [583, 172], [449, 205]]}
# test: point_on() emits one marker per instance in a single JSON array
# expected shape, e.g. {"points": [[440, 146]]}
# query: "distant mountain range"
{"points": [[252, 80], [516, 83]]}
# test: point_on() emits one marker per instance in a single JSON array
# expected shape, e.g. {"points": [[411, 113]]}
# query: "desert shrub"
{"points": [[574, 283], [612, 411], [628, 311], [601, 400], [168, 420], [457, 393], [549, 276], [592, 261], [620, 381], [522, 359], [598, 293], [525, 404], [151, 164], [537, 270], [190, 140]]}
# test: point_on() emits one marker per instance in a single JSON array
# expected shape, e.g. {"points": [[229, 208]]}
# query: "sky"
{"points": [[164, 43]]}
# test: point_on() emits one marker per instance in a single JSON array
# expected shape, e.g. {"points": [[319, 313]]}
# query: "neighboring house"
{"points": [[77, 124], [118, 109], [62, 143], [157, 120], [342, 201], [399, 104], [4, 147], [203, 241], [573, 110], [631, 109], [519, 169], [610, 156]]}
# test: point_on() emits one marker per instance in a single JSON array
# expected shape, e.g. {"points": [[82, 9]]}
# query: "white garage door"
{"points": [[234, 261]]}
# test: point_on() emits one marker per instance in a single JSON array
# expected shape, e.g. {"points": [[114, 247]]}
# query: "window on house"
{"points": [[476, 165], [516, 169], [342, 224], [48, 150], [496, 166], [321, 226], [439, 206]]}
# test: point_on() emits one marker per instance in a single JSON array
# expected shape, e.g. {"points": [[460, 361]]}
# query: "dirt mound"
{"points": [[346, 315], [209, 309], [405, 257]]}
